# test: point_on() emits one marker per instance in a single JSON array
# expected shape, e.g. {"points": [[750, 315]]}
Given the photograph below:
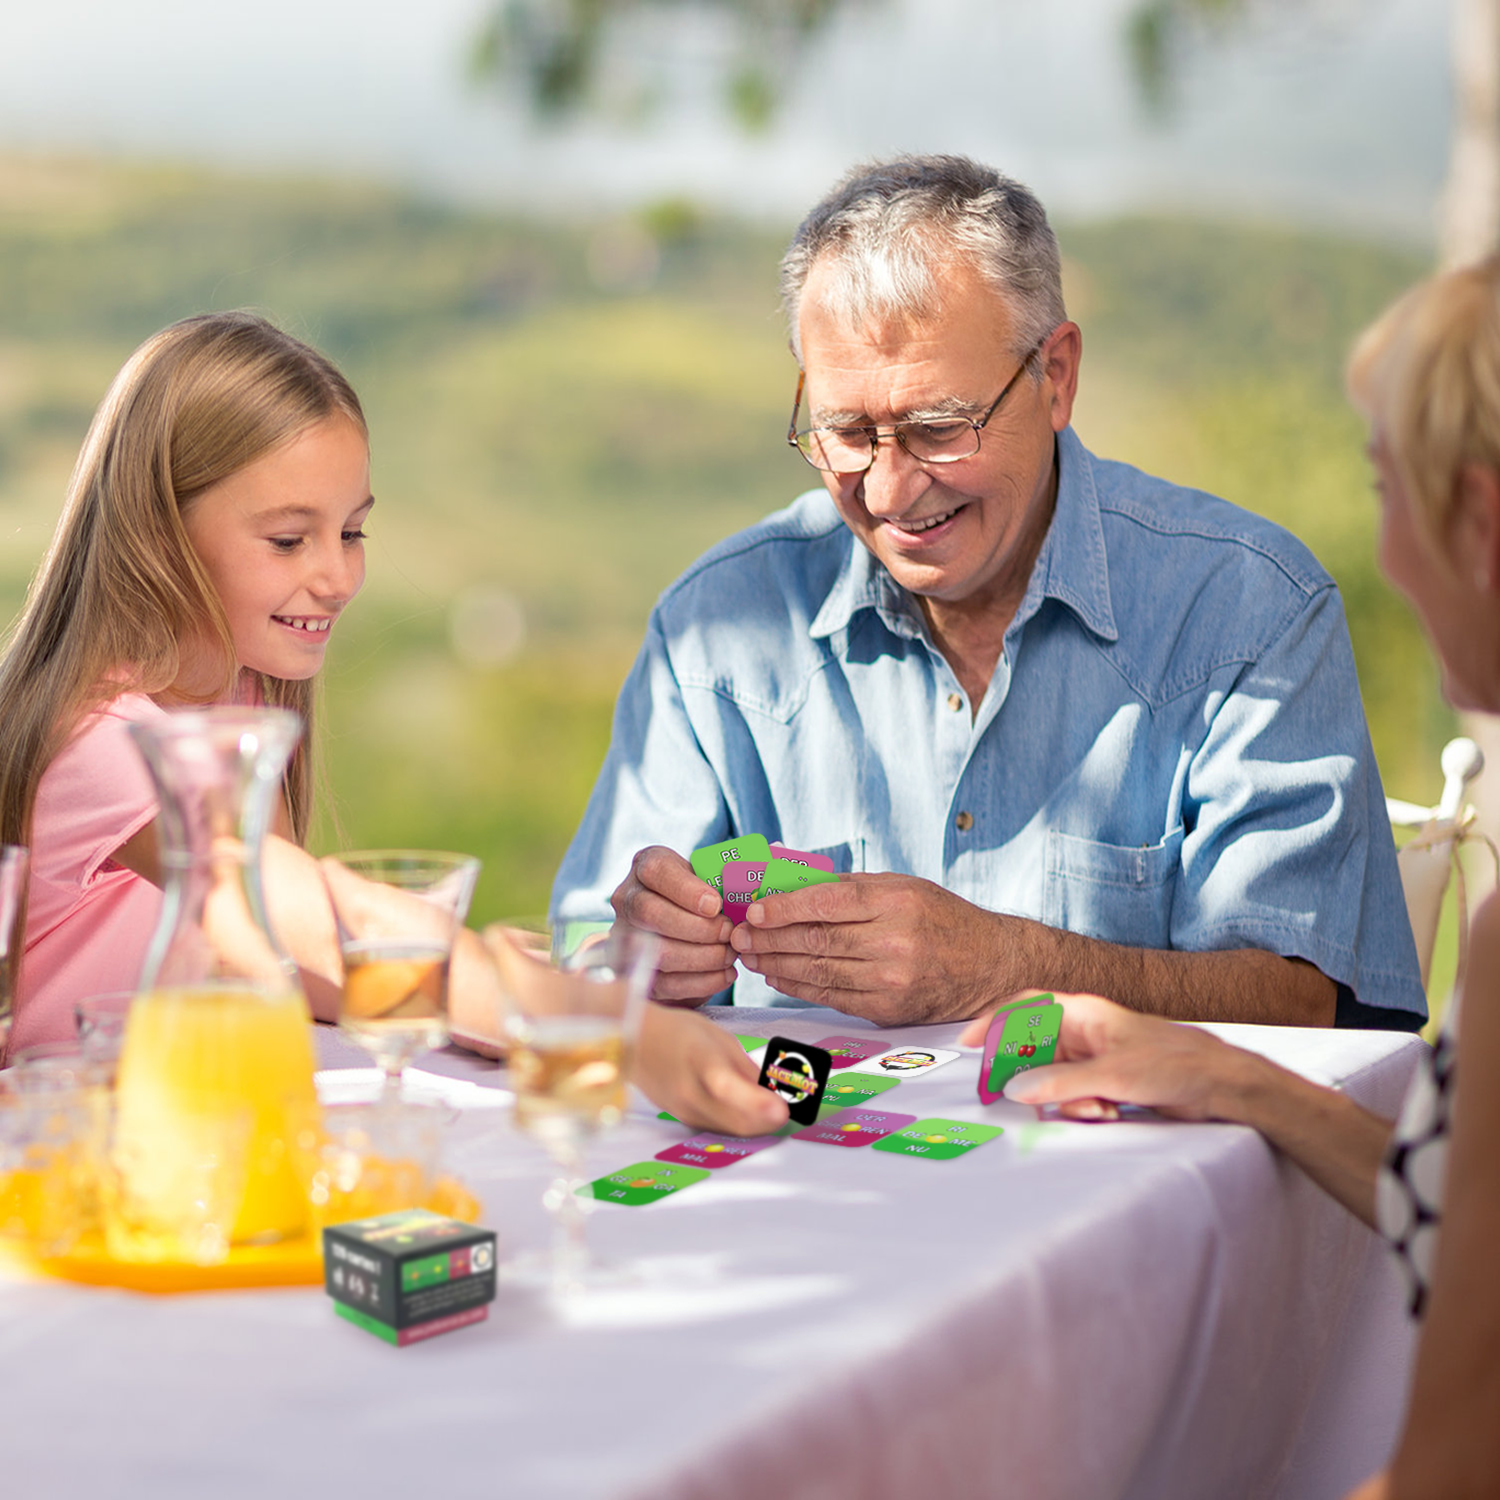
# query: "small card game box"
{"points": [[410, 1275]]}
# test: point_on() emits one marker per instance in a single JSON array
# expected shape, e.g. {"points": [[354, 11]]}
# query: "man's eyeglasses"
{"points": [[938, 440]]}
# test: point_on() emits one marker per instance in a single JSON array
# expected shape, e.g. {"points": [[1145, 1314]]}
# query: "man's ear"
{"points": [[1064, 351], [1474, 527]]}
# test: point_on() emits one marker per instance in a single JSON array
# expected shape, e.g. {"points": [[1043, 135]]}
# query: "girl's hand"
{"points": [[1108, 1055], [701, 1074]]}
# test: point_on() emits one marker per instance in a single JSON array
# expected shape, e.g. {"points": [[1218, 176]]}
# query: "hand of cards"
{"points": [[746, 868]]}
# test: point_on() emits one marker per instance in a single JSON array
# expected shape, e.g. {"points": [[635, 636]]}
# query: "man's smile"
{"points": [[927, 523]]}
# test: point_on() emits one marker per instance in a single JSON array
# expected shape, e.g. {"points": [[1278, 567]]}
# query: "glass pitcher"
{"points": [[220, 1030]]}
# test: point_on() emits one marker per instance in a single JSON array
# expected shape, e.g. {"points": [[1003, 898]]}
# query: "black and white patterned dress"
{"points": [[1409, 1187]]}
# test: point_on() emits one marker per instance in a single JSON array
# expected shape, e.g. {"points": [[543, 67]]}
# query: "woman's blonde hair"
{"points": [[1427, 374], [121, 589]]}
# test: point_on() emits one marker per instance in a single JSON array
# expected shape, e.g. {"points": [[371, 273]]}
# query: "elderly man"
{"points": [[1060, 724]]}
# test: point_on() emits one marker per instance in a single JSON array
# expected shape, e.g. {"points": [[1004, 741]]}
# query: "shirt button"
{"points": [[955, 702], [964, 822]]}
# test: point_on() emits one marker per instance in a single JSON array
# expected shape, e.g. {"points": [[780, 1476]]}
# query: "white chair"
{"points": [[1430, 859]]}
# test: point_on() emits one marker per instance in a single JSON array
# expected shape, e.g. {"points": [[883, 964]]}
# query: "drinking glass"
{"points": [[398, 913], [571, 1028], [101, 1022], [51, 1146], [15, 867]]}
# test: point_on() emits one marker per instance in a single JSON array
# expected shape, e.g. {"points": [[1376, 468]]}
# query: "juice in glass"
{"points": [[197, 1059]]}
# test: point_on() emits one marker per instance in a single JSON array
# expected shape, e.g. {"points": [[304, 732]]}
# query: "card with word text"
{"points": [[844, 1089], [1019, 1037], [939, 1139], [848, 1050], [796, 1072], [741, 886], [783, 875], [854, 1127], [802, 857], [712, 1151], [904, 1062], [709, 861], [644, 1182]]}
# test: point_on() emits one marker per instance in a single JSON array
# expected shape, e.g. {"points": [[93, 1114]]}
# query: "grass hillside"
{"points": [[550, 449]]}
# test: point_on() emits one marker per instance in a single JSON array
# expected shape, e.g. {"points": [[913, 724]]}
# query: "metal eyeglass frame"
{"points": [[896, 431]]}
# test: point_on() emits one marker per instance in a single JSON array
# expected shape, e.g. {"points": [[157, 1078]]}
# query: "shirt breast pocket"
{"points": [[1109, 891]]}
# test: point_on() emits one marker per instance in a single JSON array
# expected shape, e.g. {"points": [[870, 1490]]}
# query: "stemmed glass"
{"points": [[15, 866], [571, 1028], [398, 913]]}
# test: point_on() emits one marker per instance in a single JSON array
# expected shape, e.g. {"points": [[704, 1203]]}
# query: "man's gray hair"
{"points": [[888, 228]]}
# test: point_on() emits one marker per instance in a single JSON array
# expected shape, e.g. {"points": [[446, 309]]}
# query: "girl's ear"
{"points": [[1474, 535]]}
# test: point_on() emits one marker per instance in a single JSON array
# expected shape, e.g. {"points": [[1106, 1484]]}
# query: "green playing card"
{"points": [[847, 1089], [709, 861], [642, 1183], [787, 875], [938, 1138], [750, 1043]]}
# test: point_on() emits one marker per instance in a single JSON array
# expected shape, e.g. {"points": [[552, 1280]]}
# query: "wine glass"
{"points": [[398, 913], [15, 866], [571, 1028]]}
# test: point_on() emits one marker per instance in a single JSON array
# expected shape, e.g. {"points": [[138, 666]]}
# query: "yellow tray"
{"points": [[296, 1263]]}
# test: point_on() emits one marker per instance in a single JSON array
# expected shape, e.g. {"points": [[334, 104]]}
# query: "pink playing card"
{"points": [[855, 1127], [715, 1151], [848, 1050], [802, 857], [741, 882]]}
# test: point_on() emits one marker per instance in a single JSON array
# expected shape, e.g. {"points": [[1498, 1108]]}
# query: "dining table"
{"points": [[1142, 1308]]}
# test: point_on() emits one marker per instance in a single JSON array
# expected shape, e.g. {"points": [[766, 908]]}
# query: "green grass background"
{"points": [[576, 448]]}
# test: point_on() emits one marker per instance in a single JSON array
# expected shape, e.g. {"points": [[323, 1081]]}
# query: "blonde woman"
{"points": [[213, 534], [1427, 378]]}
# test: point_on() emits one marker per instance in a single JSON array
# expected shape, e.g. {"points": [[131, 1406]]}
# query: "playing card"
{"points": [[741, 885], [846, 1050], [786, 875], [938, 1139], [849, 1088], [750, 1043], [853, 1127], [709, 861], [904, 1062], [802, 857], [712, 1151], [796, 1072], [1019, 1037], [644, 1182]]}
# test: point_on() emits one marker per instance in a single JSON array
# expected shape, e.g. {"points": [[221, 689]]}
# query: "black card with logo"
{"points": [[796, 1072]]}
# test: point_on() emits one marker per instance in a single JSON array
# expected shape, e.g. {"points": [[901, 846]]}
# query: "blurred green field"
{"points": [[549, 450]]}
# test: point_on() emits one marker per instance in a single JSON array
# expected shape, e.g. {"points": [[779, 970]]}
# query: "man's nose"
{"points": [[894, 479]]}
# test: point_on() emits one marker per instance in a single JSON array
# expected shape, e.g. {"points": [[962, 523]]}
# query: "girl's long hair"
{"points": [[121, 592]]}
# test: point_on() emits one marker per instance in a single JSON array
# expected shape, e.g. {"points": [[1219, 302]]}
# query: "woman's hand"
{"points": [[1107, 1056]]}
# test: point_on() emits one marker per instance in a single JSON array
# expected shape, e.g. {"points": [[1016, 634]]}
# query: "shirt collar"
{"points": [[1072, 566]]}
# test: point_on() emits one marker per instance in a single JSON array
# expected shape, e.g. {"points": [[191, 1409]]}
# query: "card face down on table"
{"points": [[1020, 1037]]}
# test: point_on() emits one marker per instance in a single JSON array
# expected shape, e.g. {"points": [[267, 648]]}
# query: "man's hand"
{"points": [[892, 948], [1107, 1055], [702, 1075], [662, 895]]}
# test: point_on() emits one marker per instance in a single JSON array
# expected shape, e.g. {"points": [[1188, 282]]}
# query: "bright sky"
{"points": [[1319, 109]]}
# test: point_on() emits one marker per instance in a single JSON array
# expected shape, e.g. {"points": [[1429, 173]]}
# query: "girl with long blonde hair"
{"points": [[211, 536]]}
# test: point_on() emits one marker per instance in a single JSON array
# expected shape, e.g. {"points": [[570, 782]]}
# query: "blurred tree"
{"points": [[558, 51]]}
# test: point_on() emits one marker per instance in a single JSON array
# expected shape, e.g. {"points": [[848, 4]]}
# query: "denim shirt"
{"points": [[1171, 752]]}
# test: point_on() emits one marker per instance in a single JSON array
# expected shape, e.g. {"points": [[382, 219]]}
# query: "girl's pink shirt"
{"points": [[88, 919]]}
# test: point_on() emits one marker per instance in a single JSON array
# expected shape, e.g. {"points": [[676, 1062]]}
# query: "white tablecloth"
{"points": [[1146, 1310]]}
